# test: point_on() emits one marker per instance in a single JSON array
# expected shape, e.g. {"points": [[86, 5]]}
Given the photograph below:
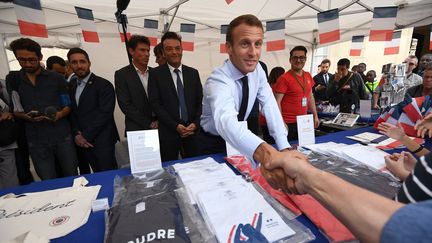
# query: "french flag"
{"points": [[383, 23], [122, 38], [356, 45], [392, 47], [222, 48], [411, 107], [188, 36], [151, 31], [328, 25], [430, 39], [88, 25], [275, 35], [30, 17]]}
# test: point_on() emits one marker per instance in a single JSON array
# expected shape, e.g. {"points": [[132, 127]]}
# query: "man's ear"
{"points": [[130, 50], [228, 47]]}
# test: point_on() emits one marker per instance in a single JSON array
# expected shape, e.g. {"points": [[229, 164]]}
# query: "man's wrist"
{"points": [[263, 153]]}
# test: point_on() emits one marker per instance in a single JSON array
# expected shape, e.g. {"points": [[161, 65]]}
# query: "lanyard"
{"points": [[304, 81]]}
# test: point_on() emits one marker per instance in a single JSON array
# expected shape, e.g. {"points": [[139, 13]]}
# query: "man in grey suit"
{"points": [[131, 85]]}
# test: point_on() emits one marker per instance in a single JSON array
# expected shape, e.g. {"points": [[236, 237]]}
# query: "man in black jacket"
{"points": [[322, 81], [131, 85], [92, 117], [175, 93], [346, 88]]}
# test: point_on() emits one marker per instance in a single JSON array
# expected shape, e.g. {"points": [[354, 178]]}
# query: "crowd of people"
{"points": [[63, 117]]}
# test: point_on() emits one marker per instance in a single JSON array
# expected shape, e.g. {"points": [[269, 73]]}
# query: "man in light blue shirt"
{"points": [[230, 92]]}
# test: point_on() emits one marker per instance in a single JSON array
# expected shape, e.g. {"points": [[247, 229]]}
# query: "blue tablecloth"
{"points": [[93, 230]]}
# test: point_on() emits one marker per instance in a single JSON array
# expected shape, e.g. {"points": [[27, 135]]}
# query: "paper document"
{"points": [[305, 128], [144, 151]]}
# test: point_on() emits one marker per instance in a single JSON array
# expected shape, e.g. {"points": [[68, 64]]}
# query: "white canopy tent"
{"points": [[301, 25], [109, 55]]}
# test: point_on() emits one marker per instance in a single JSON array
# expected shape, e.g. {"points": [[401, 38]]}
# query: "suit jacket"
{"points": [[165, 103], [132, 99], [94, 115], [319, 79]]}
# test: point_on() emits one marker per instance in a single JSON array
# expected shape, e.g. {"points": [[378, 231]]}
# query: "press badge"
{"points": [[304, 100]]}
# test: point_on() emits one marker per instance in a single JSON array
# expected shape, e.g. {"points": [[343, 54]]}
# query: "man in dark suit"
{"points": [[321, 81], [175, 93], [92, 117], [131, 85]]}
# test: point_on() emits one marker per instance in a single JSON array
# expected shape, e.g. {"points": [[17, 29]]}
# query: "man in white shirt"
{"points": [[230, 92]]}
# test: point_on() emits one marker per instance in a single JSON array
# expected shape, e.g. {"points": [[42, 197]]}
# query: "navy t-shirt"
{"points": [[155, 218]]}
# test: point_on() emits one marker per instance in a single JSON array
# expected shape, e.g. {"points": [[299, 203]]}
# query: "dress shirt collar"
{"points": [[84, 80], [235, 73], [139, 71], [171, 68]]}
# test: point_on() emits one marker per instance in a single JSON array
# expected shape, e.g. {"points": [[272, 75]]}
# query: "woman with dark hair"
{"points": [[275, 73]]}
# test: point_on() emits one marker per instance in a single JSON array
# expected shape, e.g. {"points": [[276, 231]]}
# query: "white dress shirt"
{"points": [[143, 77], [221, 103], [80, 87], [174, 74]]}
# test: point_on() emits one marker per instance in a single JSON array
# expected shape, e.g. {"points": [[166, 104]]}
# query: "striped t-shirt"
{"points": [[418, 185]]}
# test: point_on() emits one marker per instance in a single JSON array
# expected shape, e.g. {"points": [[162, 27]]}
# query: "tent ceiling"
{"points": [[300, 15]]}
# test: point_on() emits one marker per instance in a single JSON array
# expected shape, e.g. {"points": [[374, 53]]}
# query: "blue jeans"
{"points": [[43, 156]]}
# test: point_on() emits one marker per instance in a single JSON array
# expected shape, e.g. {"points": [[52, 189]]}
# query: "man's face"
{"points": [[160, 59], [173, 52], [370, 76], [58, 69], [343, 70], [325, 67], [298, 60], [140, 54], [411, 63], [425, 60], [245, 49], [28, 60], [427, 79], [80, 65], [361, 68]]}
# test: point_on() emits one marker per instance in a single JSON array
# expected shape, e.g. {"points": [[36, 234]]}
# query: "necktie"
{"points": [[245, 97], [326, 78], [181, 98]]}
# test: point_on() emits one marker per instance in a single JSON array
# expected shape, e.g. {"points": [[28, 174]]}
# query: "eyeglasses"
{"points": [[300, 58], [30, 60]]}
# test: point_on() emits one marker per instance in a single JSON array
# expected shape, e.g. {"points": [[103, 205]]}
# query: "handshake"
{"points": [[288, 170]]}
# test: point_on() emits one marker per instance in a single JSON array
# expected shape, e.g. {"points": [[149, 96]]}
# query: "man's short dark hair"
{"points": [[298, 48], [170, 35], [76, 50], [248, 19], [344, 62], [326, 61], [26, 44], [55, 60], [158, 49], [362, 63], [136, 39]]}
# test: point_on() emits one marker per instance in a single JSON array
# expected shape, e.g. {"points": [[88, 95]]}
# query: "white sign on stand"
{"points": [[305, 129], [231, 150], [365, 108], [144, 151]]}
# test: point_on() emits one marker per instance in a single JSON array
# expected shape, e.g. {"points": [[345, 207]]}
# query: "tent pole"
{"points": [[311, 6]]}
